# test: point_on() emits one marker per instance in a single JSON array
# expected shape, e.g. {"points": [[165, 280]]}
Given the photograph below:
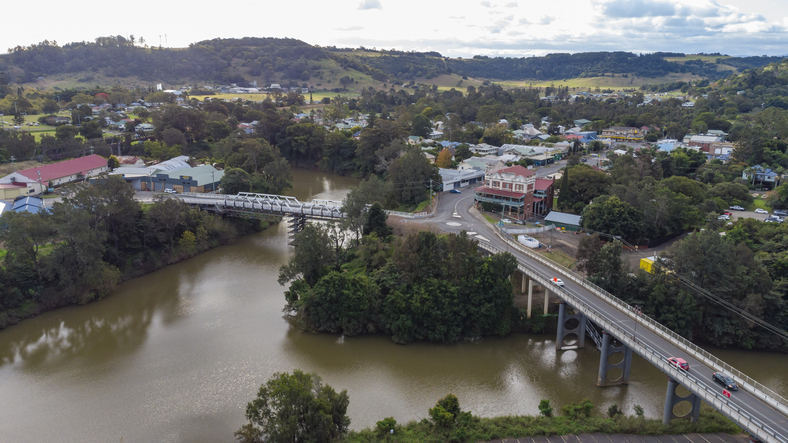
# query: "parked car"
{"points": [[728, 213], [170, 191], [558, 282], [780, 212], [761, 211], [584, 160], [455, 191], [736, 208], [726, 381], [724, 217], [594, 155], [679, 363]]}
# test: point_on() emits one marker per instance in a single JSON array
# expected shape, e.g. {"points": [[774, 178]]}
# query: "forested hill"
{"points": [[288, 60]]}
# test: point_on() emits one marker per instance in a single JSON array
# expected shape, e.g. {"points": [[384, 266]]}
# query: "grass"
{"points": [[560, 258], [704, 58], [489, 219], [476, 429], [616, 83]]}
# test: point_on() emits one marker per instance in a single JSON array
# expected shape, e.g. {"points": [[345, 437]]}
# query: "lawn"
{"points": [[758, 203], [560, 258]]}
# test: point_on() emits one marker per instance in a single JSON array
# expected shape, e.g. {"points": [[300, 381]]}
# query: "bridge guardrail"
{"points": [[746, 382], [720, 402]]}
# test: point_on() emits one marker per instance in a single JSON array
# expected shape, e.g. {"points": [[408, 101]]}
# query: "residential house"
{"points": [[582, 122], [512, 188], [759, 174], [485, 149], [29, 204]]}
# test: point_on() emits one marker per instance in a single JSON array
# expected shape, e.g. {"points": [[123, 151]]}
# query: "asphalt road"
{"points": [[454, 214]]}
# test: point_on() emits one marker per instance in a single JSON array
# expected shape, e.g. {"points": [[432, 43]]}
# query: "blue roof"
{"points": [[28, 204], [667, 147], [448, 144]]}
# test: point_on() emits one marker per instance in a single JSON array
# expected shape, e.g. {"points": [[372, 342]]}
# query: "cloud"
{"points": [[511, 5], [370, 4], [461, 17], [546, 20], [350, 28], [524, 21], [638, 8], [486, 4]]}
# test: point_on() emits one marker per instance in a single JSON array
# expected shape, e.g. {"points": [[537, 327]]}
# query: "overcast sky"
{"points": [[456, 28]]}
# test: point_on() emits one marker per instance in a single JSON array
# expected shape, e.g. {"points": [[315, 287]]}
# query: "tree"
{"points": [[365, 193], [66, 132], [444, 159], [545, 410], [612, 216], [446, 411], [411, 174], [113, 163], [91, 130], [420, 125], [376, 222], [297, 407], [314, 253], [463, 152], [236, 180]]}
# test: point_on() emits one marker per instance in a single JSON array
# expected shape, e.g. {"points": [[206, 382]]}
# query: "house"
{"points": [[460, 179], [623, 133], [10, 191], [511, 188], [413, 139], [485, 149], [145, 127], [544, 189], [582, 122], [764, 176], [562, 220], [37, 179]]}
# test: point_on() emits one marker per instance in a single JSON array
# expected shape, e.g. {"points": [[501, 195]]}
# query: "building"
{"points": [[453, 179], [544, 189], [512, 188], [10, 191], [37, 179], [764, 176], [623, 133], [704, 142], [175, 174], [29, 204], [569, 222]]}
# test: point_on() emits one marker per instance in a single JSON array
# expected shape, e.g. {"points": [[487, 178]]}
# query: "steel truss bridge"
{"points": [[245, 204], [585, 307]]}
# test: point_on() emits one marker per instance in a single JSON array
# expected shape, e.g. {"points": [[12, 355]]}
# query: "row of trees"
{"points": [[422, 287], [80, 248]]}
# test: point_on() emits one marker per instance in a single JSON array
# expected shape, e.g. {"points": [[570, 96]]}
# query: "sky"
{"points": [[456, 28]]}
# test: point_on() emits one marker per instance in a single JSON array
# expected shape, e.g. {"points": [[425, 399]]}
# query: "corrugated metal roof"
{"points": [[65, 168], [560, 217]]}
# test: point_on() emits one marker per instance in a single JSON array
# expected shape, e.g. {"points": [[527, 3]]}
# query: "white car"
{"points": [[724, 217], [761, 211], [170, 191], [558, 282]]}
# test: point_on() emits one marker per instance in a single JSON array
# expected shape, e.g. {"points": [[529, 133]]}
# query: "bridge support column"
{"points": [[530, 296], [672, 399], [546, 299], [523, 280], [567, 326], [608, 349], [297, 224]]}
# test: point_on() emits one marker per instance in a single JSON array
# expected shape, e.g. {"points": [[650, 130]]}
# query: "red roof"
{"points": [[542, 184], [66, 168], [486, 190], [517, 170], [538, 199]]}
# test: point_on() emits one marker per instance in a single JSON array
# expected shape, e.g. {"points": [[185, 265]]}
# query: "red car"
{"points": [[679, 363]]}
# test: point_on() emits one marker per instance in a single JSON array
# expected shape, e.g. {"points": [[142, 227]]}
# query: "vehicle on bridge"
{"points": [[558, 282], [726, 381], [679, 363]]}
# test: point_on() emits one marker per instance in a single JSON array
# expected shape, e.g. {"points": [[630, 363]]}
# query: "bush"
{"points": [[545, 410], [385, 426]]}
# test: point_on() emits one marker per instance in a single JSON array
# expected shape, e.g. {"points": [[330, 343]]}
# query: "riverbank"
{"points": [[137, 266], [476, 429]]}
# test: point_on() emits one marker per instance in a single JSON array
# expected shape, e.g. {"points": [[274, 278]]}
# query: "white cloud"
{"points": [[546, 20], [370, 4]]}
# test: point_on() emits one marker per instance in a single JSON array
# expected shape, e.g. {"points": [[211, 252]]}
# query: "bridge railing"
{"points": [[756, 388], [722, 403]]}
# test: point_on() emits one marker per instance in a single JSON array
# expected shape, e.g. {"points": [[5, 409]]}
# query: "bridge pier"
{"points": [[607, 349], [546, 299], [567, 327], [530, 296], [296, 225], [672, 399]]}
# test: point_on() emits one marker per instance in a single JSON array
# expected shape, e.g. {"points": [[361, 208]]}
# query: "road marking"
{"points": [[482, 238], [454, 224]]}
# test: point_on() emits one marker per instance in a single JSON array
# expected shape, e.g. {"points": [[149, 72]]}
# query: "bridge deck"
{"points": [[246, 202]]}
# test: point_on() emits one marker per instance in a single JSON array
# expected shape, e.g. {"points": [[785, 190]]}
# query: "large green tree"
{"points": [[296, 407]]}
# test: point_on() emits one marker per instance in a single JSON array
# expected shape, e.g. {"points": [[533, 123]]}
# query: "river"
{"points": [[174, 356]]}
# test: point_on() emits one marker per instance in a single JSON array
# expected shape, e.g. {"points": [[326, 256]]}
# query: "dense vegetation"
{"points": [[421, 287], [95, 238], [299, 407]]}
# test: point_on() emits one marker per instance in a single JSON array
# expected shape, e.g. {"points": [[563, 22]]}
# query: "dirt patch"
{"points": [[562, 241], [8, 168]]}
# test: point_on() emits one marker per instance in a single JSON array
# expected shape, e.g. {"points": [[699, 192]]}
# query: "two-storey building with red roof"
{"points": [[512, 188]]}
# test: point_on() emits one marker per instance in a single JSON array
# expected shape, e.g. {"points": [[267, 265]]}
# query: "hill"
{"points": [[116, 59]]}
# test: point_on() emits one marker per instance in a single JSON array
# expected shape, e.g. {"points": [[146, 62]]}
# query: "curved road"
{"points": [[454, 215]]}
